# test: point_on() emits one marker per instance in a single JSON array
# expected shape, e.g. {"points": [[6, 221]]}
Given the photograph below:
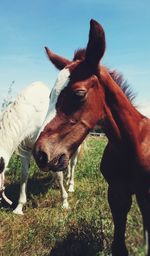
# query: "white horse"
{"points": [[20, 125]]}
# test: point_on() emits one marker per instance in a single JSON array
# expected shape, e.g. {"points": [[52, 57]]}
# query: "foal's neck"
{"points": [[122, 118]]}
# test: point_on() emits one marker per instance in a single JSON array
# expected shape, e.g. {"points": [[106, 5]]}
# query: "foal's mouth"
{"points": [[59, 163]]}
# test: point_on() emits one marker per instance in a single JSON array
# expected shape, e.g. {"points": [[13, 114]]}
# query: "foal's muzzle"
{"points": [[58, 163]]}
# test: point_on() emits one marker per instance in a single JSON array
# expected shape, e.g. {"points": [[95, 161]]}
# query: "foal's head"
{"points": [[76, 103]]}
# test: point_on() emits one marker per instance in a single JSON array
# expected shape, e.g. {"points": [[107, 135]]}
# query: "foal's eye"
{"points": [[73, 121], [80, 93]]}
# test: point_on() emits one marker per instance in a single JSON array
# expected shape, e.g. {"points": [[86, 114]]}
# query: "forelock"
{"points": [[61, 82], [79, 54]]}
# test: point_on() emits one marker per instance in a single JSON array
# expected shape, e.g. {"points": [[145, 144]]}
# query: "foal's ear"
{"points": [[58, 61], [2, 164], [96, 44]]}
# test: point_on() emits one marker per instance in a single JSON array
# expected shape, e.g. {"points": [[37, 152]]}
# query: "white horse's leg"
{"points": [[72, 166], [64, 194], [68, 173], [71, 180], [25, 158]]}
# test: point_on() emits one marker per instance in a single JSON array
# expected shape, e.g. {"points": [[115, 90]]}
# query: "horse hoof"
{"points": [[65, 205], [71, 189], [18, 212]]}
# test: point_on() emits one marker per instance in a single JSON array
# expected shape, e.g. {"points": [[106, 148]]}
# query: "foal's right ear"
{"points": [[96, 44], [58, 61], [2, 164]]}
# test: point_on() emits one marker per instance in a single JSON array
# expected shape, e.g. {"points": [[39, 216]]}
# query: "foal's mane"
{"points": [[116, 76], [123, 84]]}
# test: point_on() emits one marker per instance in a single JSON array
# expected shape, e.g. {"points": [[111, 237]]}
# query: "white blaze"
{"points": [[61, 82]]}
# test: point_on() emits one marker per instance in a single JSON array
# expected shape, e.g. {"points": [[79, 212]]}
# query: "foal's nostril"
{"points": [[58, 163], [59, 160], [42, 159]]}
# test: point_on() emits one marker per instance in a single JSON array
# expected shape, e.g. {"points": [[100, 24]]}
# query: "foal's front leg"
{"points": [[25, 159], [120, 203], [143, 200]]}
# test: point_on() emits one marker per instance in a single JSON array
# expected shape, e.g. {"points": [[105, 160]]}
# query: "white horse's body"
{"points": [[20, 124]]}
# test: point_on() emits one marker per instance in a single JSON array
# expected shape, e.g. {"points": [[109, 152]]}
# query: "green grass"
{"points": [[48, 230]]}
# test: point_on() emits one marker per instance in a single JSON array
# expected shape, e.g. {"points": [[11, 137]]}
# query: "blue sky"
{"points": [[27, 26]]}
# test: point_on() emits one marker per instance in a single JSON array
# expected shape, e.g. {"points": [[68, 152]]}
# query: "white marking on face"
{"points": [[61, 82]]}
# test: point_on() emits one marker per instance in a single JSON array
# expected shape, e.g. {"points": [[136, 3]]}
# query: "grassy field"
{"points": [[45, 229]]}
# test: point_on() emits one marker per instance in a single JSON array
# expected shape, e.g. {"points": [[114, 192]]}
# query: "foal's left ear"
{"points": [[58, 61], [96, 45]]}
